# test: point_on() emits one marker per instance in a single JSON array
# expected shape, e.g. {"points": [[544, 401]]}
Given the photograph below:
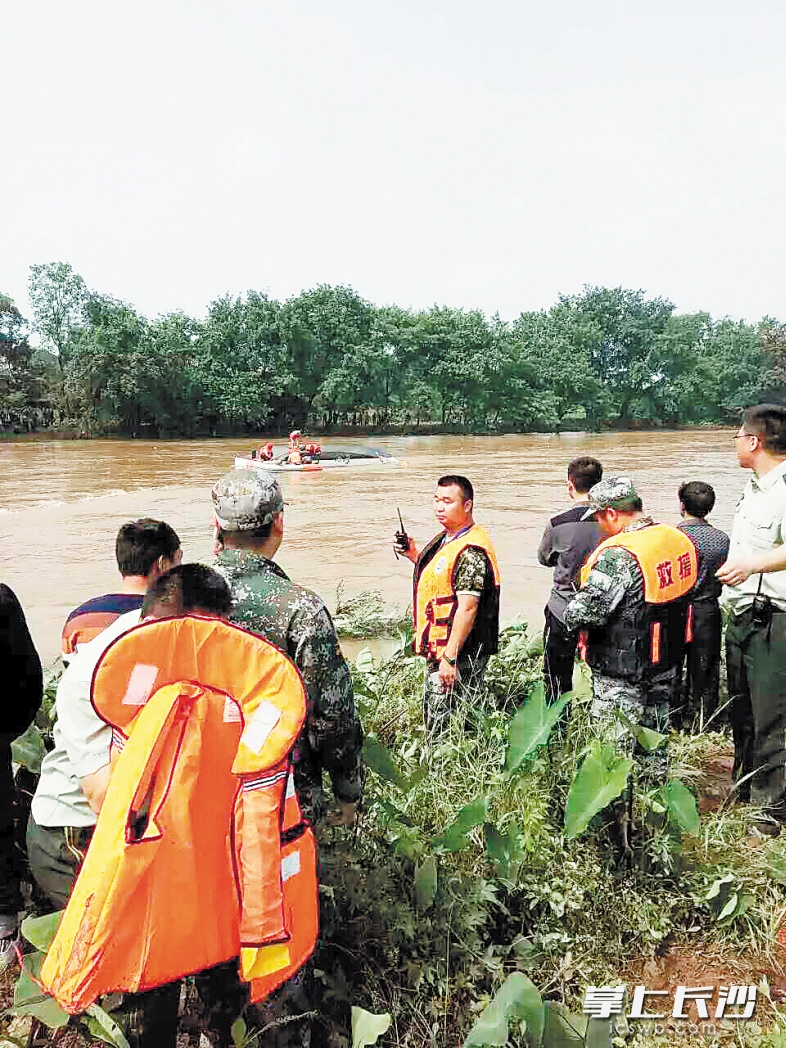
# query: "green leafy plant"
{"points": [[30, 998], [532, 725], [602, 776]]}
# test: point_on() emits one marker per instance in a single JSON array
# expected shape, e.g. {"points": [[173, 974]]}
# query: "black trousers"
{"points": [[10, 898], [559, 655], [700, 674], [756, 668]]}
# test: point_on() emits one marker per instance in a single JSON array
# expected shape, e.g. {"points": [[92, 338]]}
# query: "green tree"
{"points": [[619, 328], [317, 329], [554, 348], [19, 385], [237, 363], [110, 379], [58, 296]]}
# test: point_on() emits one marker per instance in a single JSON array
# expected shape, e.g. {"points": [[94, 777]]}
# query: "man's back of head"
{"points": [[143, 544], [188, 589], [584, 473], [697, 498], [768, 423]]}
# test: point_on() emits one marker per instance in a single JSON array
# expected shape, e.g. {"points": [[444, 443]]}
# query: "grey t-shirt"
{"points": [[567, 542]]}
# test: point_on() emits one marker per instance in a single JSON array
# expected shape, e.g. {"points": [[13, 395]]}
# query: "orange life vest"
{"points": [[200, 853], [647, 636], [435, 600]]}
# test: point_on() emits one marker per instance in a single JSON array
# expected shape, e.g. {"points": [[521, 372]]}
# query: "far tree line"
{"points": [[327, 359]]}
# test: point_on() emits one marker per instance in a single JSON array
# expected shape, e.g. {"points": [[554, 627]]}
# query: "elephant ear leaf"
{"points": [[602, 777]]}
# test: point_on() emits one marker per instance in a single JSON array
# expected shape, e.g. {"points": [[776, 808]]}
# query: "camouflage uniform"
{"points": [[616, 577], [470, 575], [296, 620]]}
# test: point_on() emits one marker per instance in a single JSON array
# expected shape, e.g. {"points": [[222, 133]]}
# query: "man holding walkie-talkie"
{"points": [[455, 598]]}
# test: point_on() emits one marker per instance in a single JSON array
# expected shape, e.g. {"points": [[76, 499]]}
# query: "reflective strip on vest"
{"points": [[200, 823], [435, 600]]}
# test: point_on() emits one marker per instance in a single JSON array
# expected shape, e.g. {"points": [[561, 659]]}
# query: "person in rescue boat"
{"points": [[295, 451], [635, 606], [456, 586]]}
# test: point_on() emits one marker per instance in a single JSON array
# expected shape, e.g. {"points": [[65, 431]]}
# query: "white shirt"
{"points": [[759, 526], [82, 739]]}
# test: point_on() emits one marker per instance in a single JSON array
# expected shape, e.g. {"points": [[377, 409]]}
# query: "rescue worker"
{"points": [[295, 454], [456, 586], [700, 674], [567, 541], [754, 579], [634, 605], [265, 452], [249, 510]]}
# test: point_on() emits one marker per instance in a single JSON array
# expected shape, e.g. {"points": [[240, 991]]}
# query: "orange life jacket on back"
{"points": [[435, 601], [200, 853], [647, 636]]}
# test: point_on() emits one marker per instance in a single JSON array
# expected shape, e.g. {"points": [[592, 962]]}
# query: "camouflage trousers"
{"points": [[643, 705], [439, 704]]}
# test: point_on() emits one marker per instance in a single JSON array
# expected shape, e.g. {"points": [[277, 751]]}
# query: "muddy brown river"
{"points": [[62, 502]]}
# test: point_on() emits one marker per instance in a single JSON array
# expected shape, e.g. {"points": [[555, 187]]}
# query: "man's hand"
{"points": [[735, 571], [448, 675], [95, 786], [345, 816], [411, 552]]}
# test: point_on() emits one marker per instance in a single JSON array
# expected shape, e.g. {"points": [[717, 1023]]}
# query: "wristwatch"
{"points": [[447, 658]]}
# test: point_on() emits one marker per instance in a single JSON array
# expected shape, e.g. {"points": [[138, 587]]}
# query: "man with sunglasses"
{"points": [[754, 579]]}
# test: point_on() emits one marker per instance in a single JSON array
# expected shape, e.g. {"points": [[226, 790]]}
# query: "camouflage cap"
{"points": [[245, 499], [607, 493]]}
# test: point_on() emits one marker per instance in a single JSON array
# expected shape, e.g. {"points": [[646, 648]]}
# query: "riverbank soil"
{"points": [[700, 966]]}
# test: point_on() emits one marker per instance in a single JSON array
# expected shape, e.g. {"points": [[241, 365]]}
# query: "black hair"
{"points": [[697, 497], [140, 543], [464, 486], [585, 472], [188, 587], [768, 423]]}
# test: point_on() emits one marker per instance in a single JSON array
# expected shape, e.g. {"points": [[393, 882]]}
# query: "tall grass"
{"points": [[568, 912]]}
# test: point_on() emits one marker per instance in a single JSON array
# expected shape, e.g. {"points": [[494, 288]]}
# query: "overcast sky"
{"points": [[489, 155]]}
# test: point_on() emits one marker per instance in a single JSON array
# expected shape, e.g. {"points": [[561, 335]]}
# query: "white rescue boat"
{"points": [[335, 458]]}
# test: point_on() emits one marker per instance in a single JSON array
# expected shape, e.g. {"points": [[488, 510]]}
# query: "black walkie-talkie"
{"points": [[402, 538]]}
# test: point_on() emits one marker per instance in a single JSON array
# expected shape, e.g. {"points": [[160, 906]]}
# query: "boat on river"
{"points": [[335, 458]]}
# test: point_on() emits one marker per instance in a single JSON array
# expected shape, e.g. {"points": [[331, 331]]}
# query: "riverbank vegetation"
{"points": [[482, 891], [328, 360]]}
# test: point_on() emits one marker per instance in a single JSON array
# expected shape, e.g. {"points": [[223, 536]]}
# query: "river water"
{"points": [[62, 502]]}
